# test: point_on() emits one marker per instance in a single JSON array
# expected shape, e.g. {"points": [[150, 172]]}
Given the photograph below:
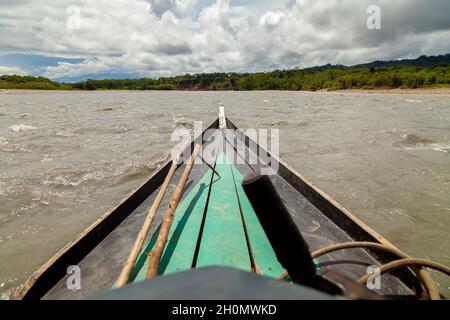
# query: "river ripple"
{"points": [[66, 157]]}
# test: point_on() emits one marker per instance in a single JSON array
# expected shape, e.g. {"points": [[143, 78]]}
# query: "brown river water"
{"points": [[66, 157]]}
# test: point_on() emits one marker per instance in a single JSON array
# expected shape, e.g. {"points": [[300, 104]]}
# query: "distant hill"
{"points": [[409, 73], [422, 62]]}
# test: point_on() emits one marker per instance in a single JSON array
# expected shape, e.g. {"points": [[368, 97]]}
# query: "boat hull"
{"points": [[102, 249]]}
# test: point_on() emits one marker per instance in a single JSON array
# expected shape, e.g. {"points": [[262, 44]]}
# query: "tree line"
{"points": [[28, 82], [333, 78], [371, 76]]}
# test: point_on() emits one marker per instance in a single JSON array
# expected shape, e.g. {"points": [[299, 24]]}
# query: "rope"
{"points": [[406, 263], [430, 286]]}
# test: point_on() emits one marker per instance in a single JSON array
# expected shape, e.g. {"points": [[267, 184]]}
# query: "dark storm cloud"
{"points": [[174, 49]]}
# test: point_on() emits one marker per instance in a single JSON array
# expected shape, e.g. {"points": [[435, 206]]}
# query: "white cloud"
{"points": [[167, 37], [11, 71], [271, 19], [180, 7]]}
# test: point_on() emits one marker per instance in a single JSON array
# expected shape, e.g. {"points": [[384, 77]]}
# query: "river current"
{"points": [[66, 157]]}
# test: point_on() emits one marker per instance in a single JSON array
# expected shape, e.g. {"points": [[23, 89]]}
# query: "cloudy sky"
{"points": [[78, 39]]}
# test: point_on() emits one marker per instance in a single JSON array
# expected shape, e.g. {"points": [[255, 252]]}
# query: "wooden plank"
{"points": [[223, 241], [179, 252], [264, 256]]}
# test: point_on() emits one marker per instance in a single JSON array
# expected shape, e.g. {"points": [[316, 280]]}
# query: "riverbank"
{"points": [[417, 91]]}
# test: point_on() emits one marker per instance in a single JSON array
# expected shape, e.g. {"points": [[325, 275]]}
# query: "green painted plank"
{"points": [[180, 248], [179, 253], [223, 240], [264, 256]]}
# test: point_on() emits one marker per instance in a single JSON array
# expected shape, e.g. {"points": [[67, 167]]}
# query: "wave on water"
{"points": [[111, 108], [77, 178], [277, 124], [136, 172], [107, 109], [440, 147], [21, 127], [120, 174], [64, 133], [412, 142], [3, 141], [413, 101], [156, 164], [7, 146], [409, 139], [183, 123], [96, 130]]}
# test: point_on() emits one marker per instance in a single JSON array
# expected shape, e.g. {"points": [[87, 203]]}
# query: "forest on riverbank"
{"points": [[30, 83], [407, 74]]}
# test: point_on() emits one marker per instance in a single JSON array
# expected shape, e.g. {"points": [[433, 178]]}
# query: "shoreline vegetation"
{"points": [[422, 73], [445, 91]]}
